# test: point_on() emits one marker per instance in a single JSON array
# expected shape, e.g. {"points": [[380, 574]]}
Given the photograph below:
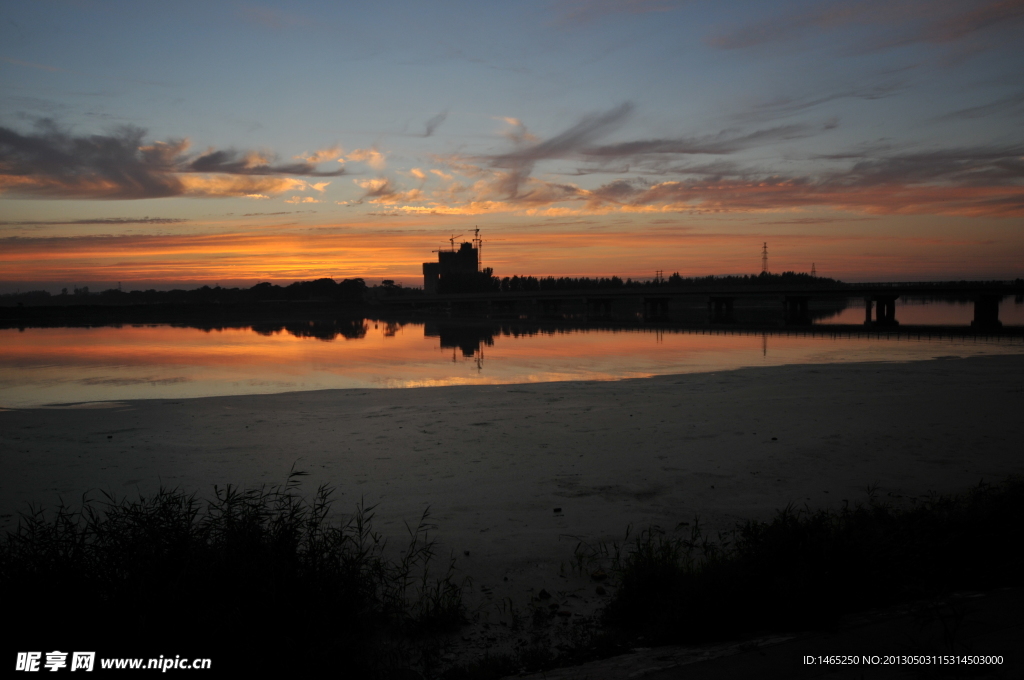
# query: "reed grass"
{"points": [[255, 579], [804, 569]]}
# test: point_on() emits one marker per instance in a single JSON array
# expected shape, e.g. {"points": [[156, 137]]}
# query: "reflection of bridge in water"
{"points": [[770, 305], [470, 337]]}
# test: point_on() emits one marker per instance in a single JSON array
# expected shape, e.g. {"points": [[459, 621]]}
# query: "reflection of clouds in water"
{"points": [[121, 382]]}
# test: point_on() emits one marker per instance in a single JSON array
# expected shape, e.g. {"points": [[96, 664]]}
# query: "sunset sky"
{"points": [[163, 144]]}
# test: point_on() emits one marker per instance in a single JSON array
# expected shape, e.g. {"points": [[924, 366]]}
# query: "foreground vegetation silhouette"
{"points": [[254, 579], [264, 579], [804, 569]]}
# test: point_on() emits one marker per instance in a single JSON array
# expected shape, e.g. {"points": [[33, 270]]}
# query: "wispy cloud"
{"points": [[775, 194], [809, 221], [268, 17], [382, 190], [566, 144], [434, 123], [506, 179], [992, 165], [721, 143], [95, 220], [1012, 104], [971, 181], [893, 23], [573, 12], [120, 165], [29, 64], [785, 106]]}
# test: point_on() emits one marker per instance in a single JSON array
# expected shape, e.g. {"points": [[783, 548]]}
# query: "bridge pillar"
{"points": [[885, 310], [720, 309], [986, 311], [549, 307], [795, 309], [600, 308], [655, 308], [503, 308]]}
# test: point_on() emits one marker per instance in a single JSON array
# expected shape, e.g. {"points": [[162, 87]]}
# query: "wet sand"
{"points": [[494, 462]]}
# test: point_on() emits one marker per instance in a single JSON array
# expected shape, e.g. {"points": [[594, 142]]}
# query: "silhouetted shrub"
{"points": [[254, 579]]}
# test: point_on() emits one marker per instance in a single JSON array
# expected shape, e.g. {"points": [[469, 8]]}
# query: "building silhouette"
{"points": [[452, 268]]}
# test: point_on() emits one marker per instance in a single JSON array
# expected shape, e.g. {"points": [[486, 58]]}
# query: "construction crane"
{"points": [[452, 241], [479, 243]]}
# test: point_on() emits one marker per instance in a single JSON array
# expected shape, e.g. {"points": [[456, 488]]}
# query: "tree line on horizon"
{"points": [[676, 280], [484, 281], [319, 290], [356, 291]]}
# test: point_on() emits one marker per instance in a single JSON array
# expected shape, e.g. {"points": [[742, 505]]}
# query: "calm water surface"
{"points": [[41, 366]]}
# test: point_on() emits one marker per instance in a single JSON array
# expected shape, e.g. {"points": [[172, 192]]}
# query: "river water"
{"points": [[49, 366]]}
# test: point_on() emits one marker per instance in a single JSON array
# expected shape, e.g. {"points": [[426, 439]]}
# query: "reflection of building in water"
{"points": [[469, 339]]}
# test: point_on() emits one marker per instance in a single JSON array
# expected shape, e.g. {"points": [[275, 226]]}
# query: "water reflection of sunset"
{"points": [[64, 365]]}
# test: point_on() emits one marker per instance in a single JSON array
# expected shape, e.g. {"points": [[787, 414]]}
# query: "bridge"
{"points": [[723, 304]]}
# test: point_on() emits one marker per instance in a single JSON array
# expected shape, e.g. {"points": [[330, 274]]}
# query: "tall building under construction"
{"points": [[452, 267]]}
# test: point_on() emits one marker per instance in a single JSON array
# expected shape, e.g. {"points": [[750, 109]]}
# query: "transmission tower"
{"points": [[764, 258], [814, 272]]}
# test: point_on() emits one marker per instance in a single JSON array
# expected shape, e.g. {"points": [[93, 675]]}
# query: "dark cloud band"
{"points": [[120, 165]]}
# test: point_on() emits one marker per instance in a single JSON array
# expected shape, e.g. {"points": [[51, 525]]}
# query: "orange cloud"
{"points": [[220, 186], [375, 159], [333, 153]]}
